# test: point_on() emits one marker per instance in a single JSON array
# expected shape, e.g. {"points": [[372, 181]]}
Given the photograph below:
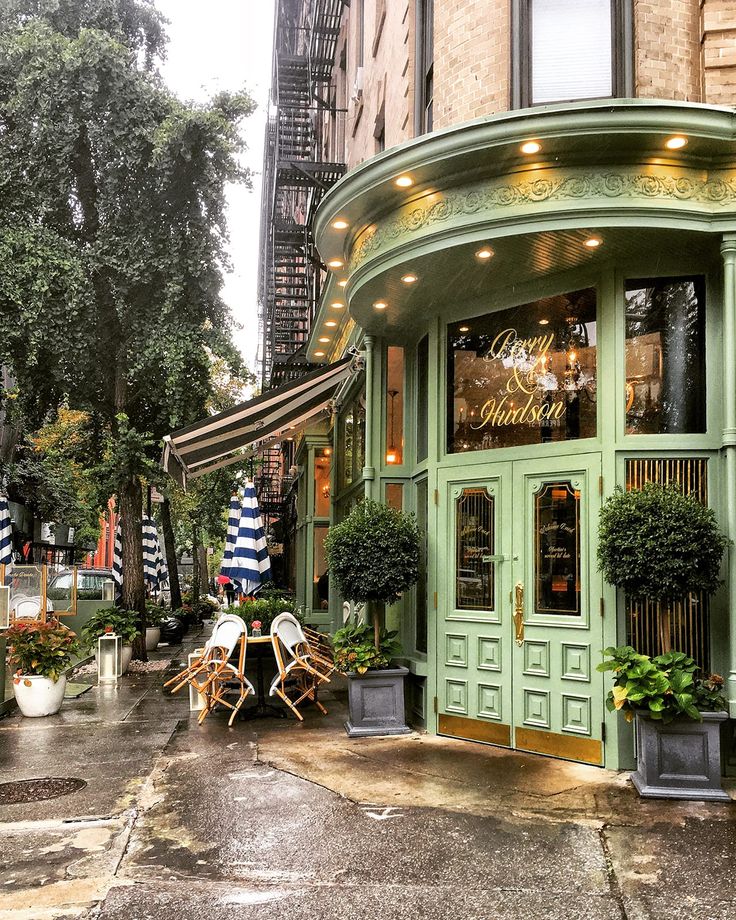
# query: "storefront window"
{"points": [[351, 459], [665, 356], [320, 577], [395, 495], [322, 465], [523, 376], [422, 397], [394, 453]]}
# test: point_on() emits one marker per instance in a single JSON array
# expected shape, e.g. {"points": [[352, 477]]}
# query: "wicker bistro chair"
{"points": [[299, 671], [213, 675]]}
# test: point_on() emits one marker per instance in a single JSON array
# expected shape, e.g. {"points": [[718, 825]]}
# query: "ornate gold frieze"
{"points": [[437, 208]]}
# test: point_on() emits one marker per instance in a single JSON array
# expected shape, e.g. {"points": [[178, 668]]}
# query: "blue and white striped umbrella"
{"points": [[6, 535], [233, 520], [249, 566], [117, 557], [155, 574]]}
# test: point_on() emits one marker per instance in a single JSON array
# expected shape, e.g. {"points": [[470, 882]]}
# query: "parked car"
{"points": [[92, 584]]}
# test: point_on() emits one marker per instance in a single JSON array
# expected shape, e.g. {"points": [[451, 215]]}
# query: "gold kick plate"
{"points": [[519, 612]]}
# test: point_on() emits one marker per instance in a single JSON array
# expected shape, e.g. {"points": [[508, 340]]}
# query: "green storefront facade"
{"points": [[545, 305]]}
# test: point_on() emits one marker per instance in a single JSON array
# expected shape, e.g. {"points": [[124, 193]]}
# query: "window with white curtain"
{"points": [[571, 49]]}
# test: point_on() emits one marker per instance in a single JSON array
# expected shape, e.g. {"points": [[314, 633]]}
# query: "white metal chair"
{"points": [[299, 675]]}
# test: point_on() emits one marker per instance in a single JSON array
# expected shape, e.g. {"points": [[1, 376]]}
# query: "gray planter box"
{"points": [[681, 760], [376, 701]]}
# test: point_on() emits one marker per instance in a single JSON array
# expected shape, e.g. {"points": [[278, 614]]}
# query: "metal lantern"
{"points": [[108, 591], [109, 657], [197, 701]]}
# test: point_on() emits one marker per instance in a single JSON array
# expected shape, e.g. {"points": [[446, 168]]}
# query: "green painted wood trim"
{"points": [[728, 250]]}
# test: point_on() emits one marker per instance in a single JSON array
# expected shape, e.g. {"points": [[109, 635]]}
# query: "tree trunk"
{"points": [[170, 546], [134, 593], [204, 571], [195, 571]]}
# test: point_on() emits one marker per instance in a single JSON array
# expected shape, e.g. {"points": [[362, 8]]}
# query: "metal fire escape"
{"points": [[300, 166], [303, 154]]}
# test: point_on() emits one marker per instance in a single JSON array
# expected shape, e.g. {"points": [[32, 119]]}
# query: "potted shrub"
{"points": [[154, 617], [40, 653], [660, 545], [123, 623], [678, 719], [373, 557]]}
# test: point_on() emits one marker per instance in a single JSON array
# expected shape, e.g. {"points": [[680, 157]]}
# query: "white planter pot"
{"points": [[153, 637], [127, 655], [39, 696]]}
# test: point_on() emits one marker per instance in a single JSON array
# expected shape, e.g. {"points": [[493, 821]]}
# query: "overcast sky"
{"points": [[226, 44]]}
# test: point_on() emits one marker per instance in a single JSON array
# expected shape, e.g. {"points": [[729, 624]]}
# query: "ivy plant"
{"points": [[659, 544]]}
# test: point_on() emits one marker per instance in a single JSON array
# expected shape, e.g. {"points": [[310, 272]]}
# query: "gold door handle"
{"points": [[519, 612]]}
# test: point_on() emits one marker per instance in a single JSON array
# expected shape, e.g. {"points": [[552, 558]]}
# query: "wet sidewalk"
{"points": [[275, 819]]}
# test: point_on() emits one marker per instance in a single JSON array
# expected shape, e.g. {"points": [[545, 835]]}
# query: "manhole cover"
{"points": [[36, 790]]}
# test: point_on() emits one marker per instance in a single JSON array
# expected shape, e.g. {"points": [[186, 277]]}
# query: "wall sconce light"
{"points": [[392, 454]]}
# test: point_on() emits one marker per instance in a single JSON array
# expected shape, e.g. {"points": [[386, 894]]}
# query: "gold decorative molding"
{"points": [[499, 197]]}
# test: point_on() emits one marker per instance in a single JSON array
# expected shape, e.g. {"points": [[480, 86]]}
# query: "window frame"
{"points": [[622, 54], [424, 67]]}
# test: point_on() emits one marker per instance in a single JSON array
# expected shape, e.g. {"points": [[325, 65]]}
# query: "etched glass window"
{"points": [[523, 376], [557, 549], [475, 546]]}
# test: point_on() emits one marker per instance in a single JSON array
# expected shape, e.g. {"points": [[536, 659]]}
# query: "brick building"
{"points": [[521, 216]]}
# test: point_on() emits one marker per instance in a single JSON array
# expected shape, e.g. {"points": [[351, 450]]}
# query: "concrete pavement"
{"points": [[274, 819]]}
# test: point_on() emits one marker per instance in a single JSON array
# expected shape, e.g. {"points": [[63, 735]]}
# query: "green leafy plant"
{"points": [[155, 614], [665, 687], [265, 609], [42, 649], [659, 544], [124, 623], [355, 649], [373, 556]]}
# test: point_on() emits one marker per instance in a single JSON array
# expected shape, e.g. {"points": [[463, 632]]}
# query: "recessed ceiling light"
{"points": [[404, 181], [544, 322], [593, 242], [409, 278], [331, 323], [335, 263], [337, 305], [324, 339], [340, 224], [319, 354], [676, 143], [531, 147], [484, 254], [380, 305], [464, 329], [342, 282]]}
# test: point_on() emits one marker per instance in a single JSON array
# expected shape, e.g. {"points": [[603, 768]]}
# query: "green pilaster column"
{"points": [[369, 471], [728, 250]]}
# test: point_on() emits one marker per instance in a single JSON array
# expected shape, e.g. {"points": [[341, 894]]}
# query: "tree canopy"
{"points": [[112, 230]]}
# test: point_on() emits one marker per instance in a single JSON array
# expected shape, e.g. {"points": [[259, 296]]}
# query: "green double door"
{"points": [[519, 608]]}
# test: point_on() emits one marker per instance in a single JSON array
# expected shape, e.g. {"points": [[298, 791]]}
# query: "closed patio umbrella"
{"points": [[249, 566], [6, 535], [233, 520], [155, 573]]}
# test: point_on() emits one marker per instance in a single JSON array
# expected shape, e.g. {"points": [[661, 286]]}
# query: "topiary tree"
{"points": [[373, 556], [659, 544]]}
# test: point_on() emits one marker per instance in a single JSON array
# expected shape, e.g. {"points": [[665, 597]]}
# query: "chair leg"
{"points": [[237, 706], [291, 706]]}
